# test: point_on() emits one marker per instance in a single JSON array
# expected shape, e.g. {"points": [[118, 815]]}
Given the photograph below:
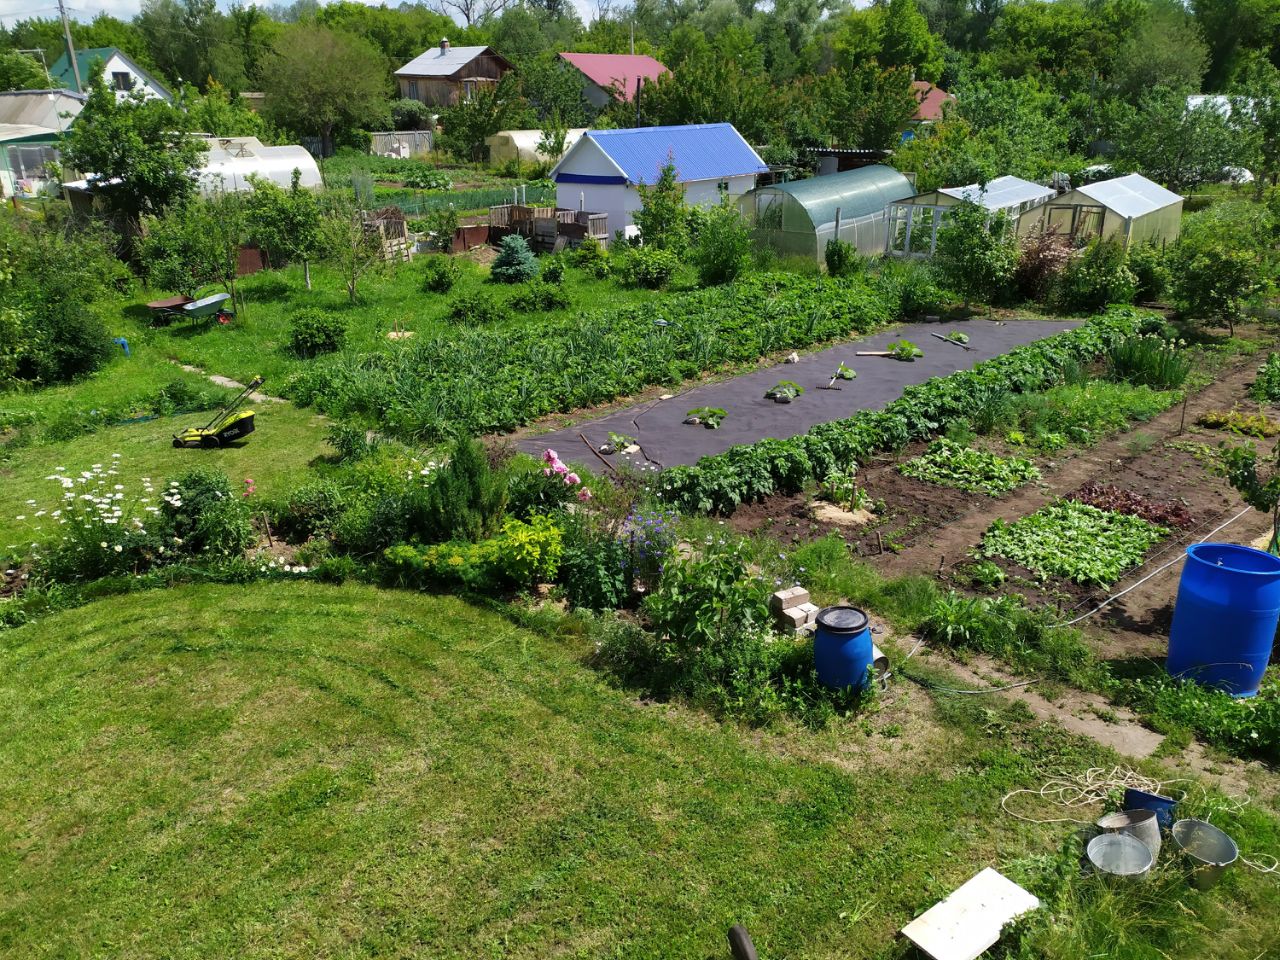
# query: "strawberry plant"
{"points": [[949, 464], [709, 417], [1074, 541]]}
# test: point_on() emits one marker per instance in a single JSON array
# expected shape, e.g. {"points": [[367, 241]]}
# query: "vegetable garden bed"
{"points": [[751, 416]]}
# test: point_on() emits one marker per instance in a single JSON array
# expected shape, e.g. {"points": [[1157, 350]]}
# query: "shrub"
{"points": [[465, 499], [843, 260], [1149, 361], [68, 341], [1150, 272], [440, 273], [702, 600], [439, 227], [408, 114], [596, 573], [205, 516], [1097, 277], [911, 286], [478, 309], [722, 250], [522, 555], [1041, 260], [976, 253], [531, 490], [553, 269], [536, 295], [515, 262], [309, 510], [592, 257], [649, 267], [314, 331]]}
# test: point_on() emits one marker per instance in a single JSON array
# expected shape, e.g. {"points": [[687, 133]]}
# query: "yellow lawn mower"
{"points": [[227, 426]]}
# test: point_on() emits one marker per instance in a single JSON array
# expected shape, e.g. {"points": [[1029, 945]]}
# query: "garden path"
{"points": [[666, 441]]}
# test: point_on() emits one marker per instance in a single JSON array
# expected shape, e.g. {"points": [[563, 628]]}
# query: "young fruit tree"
{"points": [[1262, 492], [348, 244], [977, 253]]}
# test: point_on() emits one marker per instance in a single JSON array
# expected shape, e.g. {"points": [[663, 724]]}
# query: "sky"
{"points": [[11, 10]]}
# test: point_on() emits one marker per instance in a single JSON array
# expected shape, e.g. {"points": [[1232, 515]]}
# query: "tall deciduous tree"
{"points": [[467, 123], [285, 223], [1178, 147], [18, 71], [1255, 116], [138, 148], [320, 81]]}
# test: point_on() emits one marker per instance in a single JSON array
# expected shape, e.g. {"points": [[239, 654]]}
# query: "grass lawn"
{"points": [[277, 456], [292, 770]]}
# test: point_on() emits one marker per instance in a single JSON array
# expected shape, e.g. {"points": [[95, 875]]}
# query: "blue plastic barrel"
{"points": [[1224, 622], [842, 647]]}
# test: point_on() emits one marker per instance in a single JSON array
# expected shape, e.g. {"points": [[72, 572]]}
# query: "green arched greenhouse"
{"points": [[801, 216]]}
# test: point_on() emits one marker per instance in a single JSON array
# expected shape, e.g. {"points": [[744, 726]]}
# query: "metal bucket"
{"points": [[1209, 849], [1139, 824], [1119, 855]]}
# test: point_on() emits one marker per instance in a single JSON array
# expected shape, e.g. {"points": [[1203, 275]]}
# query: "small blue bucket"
{"points": [[1162, 807]]}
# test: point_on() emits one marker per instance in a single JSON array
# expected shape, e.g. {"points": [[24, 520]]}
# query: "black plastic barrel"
{"points": [[842, 647]]}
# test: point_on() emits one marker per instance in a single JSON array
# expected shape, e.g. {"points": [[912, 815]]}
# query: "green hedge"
{"points": [[751, 472], [484, 380]]}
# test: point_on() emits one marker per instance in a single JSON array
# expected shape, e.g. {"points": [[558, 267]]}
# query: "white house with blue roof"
{"points": [[601, 172]]}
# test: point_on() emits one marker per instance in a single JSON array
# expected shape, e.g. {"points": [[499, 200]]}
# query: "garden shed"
{"points": [[1130, 209], [913, 223], [800, 217], [602, 171]]}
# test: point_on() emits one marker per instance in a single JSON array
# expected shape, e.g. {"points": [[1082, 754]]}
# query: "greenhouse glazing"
{"points": [[802, 216]]}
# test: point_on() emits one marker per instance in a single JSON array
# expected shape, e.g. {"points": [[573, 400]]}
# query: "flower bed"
{"points": [[752, 472]]}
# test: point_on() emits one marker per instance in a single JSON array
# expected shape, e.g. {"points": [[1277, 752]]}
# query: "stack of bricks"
{"points": [[792, 609]]}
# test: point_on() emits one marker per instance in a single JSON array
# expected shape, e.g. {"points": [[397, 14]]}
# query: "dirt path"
{"points": [[1091, 715], [230, 384]]}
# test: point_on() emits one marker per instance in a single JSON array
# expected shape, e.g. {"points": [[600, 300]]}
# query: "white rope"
{"points": [[1158, 570]]}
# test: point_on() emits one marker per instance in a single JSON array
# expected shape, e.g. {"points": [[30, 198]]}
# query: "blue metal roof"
{"points": [[702, 151]]}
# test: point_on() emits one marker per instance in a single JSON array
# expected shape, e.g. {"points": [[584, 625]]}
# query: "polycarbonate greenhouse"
{"points": [[1131, 210], [801, 216]]}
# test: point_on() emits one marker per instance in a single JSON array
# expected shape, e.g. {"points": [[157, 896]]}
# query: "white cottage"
{"points": [[117, 68], [603, 169]]}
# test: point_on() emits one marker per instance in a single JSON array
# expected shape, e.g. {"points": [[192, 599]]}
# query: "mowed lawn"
{"points": [[294, 770], [277, 456]]}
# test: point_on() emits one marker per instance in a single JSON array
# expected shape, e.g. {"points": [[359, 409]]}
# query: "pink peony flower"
{"points": [[560, 468], [572, 479], [550, 456], [584, 494], [546, 471]]}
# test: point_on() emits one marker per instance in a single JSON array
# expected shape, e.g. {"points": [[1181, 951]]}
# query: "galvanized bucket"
{"points": [[1140, 824], [1209, 849], [1119, 855]]}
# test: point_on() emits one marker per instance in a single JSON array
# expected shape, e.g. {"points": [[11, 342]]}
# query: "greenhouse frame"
{"points": [[1130, 209], [800, 217], [912, 224]]}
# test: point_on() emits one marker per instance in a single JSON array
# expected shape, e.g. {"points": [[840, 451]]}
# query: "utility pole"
{"points": [[71, 47]]}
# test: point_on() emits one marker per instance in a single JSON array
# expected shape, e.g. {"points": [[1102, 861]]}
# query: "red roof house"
{"points": [[610, 76], [931, 100]]}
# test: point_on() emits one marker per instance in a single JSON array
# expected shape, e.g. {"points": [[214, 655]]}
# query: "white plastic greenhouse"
{"points": [[1130, 209], [913, 223]]}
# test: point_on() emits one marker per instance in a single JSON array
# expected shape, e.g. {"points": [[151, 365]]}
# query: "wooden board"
{"points": [[967, 923]]}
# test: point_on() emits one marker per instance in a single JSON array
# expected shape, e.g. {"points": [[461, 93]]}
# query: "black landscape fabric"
{"points": [[666, 441]]}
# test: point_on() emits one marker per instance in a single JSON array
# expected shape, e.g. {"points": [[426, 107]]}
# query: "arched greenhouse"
{"points": [[801, 216]]}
